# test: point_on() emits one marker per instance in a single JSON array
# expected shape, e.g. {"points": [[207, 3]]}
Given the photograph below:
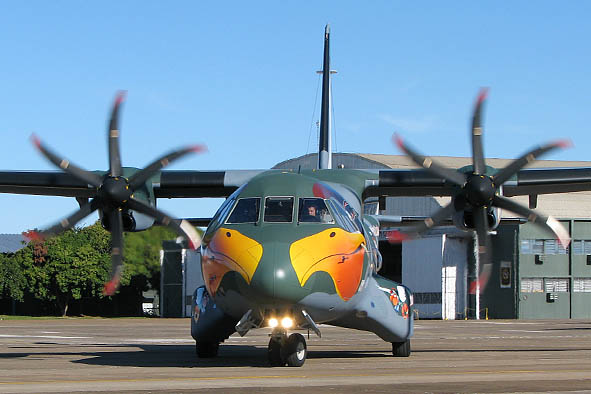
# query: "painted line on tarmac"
{"points": [[41, 336], [162, 340], [314, 376]]}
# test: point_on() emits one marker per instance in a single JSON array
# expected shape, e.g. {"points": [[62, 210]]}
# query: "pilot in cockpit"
{"points": [[309, 212], [313, 215]]}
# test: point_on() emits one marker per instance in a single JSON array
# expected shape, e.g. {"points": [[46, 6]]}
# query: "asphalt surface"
{"points": [[158, 355]]}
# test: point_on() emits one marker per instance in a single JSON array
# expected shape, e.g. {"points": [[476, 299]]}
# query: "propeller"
{"points": [[479, 191], [113, 193]]}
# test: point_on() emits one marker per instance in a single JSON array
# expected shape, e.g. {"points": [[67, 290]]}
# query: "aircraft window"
{"points": [[279, 209], [342, 217], [245, 211], [223, 211], [314, 210]]}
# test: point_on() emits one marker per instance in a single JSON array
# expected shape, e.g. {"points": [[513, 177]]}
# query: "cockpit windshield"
{"points": [[278, 209], [313, 210], [245, 211]]}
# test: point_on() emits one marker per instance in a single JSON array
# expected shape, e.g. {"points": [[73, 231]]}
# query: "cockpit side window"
{"points": [[342, 217], [278, 209], [313, 210], [223, 211], [245, 211]]}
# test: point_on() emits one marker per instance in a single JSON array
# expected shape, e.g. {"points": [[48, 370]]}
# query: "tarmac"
{"points": [[158, 355]]}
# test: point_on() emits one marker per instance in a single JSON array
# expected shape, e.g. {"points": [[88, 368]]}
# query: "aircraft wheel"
{"points": [[207, 349], [274, 353], [401, 349], [295, 350]]}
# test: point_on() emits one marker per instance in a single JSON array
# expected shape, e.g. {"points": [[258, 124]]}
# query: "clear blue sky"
{"points": [[240, 77]]}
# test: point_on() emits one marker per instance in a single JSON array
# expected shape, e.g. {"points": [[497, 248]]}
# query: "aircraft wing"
{"points": [[45, 183], [188, 184], [548, 180], [534, 181], [193, 184], [407, 183], [167, 184]]}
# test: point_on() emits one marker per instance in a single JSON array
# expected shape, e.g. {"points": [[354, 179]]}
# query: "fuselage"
{"points": [[286, 242]]}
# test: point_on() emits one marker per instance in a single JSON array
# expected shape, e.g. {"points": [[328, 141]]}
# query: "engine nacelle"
{"points": [[464, 220], [132, 221]]}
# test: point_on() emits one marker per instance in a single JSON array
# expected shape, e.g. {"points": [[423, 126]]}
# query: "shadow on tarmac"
{"points": [[182, 356]]}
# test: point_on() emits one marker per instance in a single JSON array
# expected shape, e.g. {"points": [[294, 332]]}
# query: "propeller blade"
{"points": [[409, 233], [427, 163], [507, 172], [66, 223], [140, 177], [86, 176], [116, 223], [548, 222], [114, 154], [484, 250], [181, 227], [477, 152]]}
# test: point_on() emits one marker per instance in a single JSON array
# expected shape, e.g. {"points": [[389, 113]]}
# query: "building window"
{"points": [[538, 246], [582, 247], [582, 285], [550, 246], [556, 285], [526, 246], [532, 285], [546, 247]]}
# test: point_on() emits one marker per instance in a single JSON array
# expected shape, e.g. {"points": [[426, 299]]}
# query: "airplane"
{"points": [[290, 250]]}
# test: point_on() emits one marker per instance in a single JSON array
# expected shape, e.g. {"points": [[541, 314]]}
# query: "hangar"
{"points": [[533, 276]]}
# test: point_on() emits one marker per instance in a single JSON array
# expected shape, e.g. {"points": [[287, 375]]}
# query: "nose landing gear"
{"points": [[283, 349]]}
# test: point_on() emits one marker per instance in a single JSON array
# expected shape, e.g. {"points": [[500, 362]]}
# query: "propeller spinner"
{"points": [[115, 193], [479, 191]]}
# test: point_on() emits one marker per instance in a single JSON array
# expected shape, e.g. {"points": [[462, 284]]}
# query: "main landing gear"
{"points": [[207, 349], [401, 349], [283, 349]]}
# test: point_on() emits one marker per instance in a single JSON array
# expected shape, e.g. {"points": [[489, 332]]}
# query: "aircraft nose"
{"points": [[275, 280]]}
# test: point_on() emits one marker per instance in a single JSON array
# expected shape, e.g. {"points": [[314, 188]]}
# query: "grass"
{"points": [[10, 317]]}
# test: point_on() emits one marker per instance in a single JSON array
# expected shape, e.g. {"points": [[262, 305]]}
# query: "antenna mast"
{"points": [[324, 146]]}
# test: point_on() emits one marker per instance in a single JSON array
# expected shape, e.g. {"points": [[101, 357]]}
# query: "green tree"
{"points": [[12, 279], [77, 264], [69, 266]]}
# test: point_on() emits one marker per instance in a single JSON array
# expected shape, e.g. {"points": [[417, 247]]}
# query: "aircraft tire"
{"points": [[274, 353], [207, 349], [295, 350], [401, 349]]}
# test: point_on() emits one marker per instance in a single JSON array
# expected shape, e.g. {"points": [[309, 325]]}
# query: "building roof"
{"points": [[10, 243], [562, 205], [402, 161]]}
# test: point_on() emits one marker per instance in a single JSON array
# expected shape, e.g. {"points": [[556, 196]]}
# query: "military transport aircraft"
{"points": [[292, 249]]}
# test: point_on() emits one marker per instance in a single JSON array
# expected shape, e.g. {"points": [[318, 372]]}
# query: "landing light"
{"points": [[286, 322], [273, 322]]}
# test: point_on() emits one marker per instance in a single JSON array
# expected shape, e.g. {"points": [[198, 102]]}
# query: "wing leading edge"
{"points": [[526, 182], [167, 184]]}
